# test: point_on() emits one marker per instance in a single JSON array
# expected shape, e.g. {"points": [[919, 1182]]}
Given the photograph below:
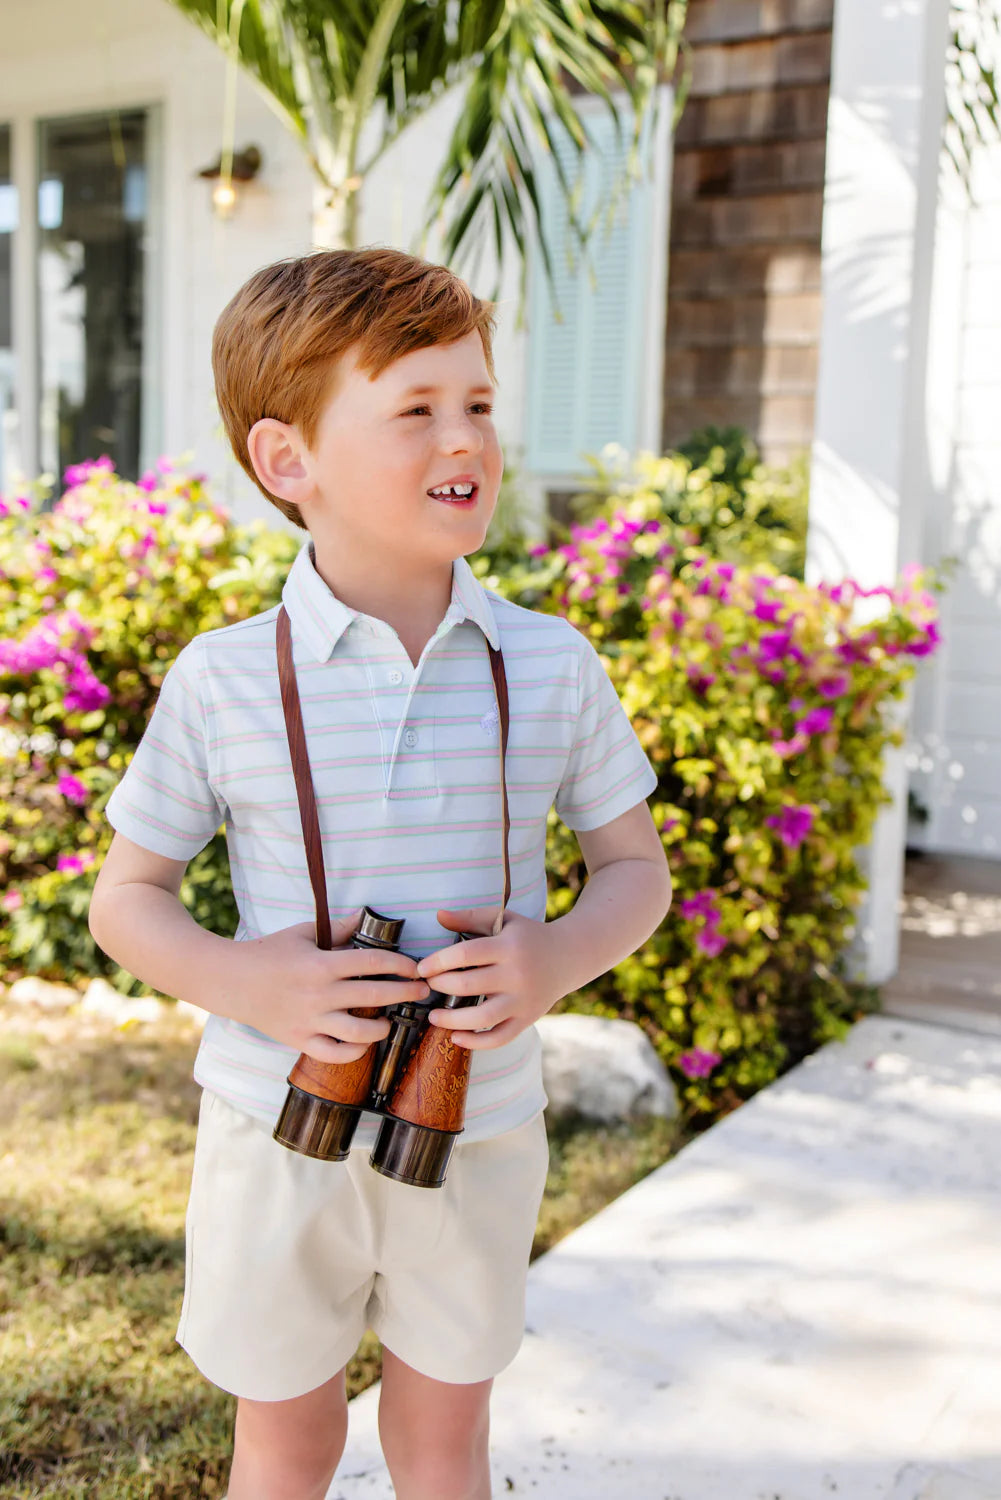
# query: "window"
{"points": [[8, 223], [92, 280], [594, 377]]}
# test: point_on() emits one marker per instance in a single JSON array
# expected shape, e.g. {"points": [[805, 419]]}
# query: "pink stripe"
{"points": [[499, 1104], [583, 807]]}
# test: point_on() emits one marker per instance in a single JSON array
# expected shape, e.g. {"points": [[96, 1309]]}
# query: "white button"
{"points": [[396, 675], [410, 738]]}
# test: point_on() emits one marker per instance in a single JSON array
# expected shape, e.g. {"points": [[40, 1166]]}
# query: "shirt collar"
{"points": [[320, 619]]}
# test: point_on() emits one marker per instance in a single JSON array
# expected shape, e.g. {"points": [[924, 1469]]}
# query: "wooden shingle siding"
{"points": [[743, 317]]}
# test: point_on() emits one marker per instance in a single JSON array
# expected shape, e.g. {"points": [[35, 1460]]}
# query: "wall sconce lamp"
{"points": [[244, 167]]}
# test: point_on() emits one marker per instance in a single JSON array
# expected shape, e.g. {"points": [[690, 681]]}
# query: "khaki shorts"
{"points": [[289, 1260]]}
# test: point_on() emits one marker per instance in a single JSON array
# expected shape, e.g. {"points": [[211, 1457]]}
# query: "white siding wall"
{"points": [[60, 57], [958, 744]]}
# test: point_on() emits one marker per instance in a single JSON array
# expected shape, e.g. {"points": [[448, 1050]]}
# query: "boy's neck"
{"points": [[414, 604]]}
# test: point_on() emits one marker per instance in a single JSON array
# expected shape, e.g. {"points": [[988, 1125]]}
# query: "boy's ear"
{"points": [[276, 450]]}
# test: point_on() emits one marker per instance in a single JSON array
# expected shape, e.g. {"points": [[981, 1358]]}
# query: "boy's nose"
{"points": [[461, 436]]}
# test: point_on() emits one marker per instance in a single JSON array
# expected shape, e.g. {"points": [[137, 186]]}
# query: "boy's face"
{"points": [[383, 446]]}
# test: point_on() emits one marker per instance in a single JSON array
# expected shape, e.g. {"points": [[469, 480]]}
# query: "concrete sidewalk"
{"points": [[805, 1303]]}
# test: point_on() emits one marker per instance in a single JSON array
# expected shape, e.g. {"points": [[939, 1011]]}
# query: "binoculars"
{"points": [[416, 1078]]}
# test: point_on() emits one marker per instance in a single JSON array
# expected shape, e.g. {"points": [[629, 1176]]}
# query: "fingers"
{"points": [[484, 1041], [341, 1025], [469, 919], [365, 992], [352, 963], [325, 1049], [474, 955], [473, 1017]]}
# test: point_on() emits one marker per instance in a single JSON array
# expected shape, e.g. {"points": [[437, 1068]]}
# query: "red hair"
{"points": [[277, 341]]}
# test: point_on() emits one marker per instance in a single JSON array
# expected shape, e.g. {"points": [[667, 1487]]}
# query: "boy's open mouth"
{"points": [[461, 493]]}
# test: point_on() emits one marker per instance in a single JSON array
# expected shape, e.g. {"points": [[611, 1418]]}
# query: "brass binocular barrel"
{"points": [[416, 1078]]}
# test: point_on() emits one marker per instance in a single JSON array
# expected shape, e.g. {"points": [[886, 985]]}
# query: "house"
{"points": [[796, 262]]}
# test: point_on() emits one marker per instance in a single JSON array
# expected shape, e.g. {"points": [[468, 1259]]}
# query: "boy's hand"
{"points": [[519, 970], [301, 994]]}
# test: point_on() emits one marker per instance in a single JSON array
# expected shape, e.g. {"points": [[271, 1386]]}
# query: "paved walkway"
{"points": [[804, 1304], [950, 943]]}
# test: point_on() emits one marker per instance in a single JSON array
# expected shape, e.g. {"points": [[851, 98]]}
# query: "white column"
{"points": [[868, 478]]}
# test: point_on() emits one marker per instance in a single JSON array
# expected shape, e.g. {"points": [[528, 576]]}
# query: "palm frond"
{"points": [[528, 80], [327, 65], [973, 108]]}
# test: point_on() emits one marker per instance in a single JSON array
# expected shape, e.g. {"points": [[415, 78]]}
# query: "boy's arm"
{"points": [[627, 896], [530, 965], [282, 984], [136, 918]]}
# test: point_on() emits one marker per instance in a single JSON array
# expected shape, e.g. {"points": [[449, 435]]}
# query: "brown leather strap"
{"points": [[503, 713], [304, 778]]}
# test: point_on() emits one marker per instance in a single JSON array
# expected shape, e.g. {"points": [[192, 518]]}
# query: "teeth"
{"points": [[454, 491]]}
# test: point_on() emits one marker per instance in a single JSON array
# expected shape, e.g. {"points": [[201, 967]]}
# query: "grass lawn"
{"points": [[97, 1129]]}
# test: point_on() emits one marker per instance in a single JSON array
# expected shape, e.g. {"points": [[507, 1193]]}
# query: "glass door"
{"points": [[92, 288], [8, 223]]}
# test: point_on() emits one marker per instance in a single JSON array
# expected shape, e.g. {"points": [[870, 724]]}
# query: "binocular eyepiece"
{"points": [[416, 1078]]}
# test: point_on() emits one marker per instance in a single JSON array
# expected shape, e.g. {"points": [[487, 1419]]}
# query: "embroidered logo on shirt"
{"points": [[489, 723]]}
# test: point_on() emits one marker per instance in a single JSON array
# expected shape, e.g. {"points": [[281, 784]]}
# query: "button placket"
{"points": [[378, 677], [410, 737]]}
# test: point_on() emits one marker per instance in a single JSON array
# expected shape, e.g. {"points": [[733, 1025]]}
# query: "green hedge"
{"points": [[100, 593], [764, 704]]}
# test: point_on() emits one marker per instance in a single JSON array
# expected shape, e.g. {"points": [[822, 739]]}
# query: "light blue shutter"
{"points": [[584, 372]]}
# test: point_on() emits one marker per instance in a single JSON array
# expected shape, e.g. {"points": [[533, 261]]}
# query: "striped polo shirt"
{"points": [[404, 765]]}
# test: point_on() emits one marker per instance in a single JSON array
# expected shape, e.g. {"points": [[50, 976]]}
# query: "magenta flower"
{"points": [[710, 941], [817, 721], [834, 687], [767, 610], [73, 789], [538, 550], [70, 862], [699, 678], [80, 473], [698, 1063], [702, 904], [785, 748], [793, 823], [774, 646], [12, 900], [925, 644]]}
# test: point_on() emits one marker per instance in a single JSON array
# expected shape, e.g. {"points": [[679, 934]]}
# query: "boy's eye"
{"points": [[482, 408]]}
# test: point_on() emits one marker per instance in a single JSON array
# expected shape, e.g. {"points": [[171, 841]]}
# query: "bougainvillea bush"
{"points": [[97, 596], [765, 706]]}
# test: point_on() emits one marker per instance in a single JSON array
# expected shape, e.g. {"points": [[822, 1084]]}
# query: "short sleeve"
{"points": [[165, 800], [607, 772]]}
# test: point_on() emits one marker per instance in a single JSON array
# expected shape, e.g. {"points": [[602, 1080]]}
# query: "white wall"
{"points": [[956, 749], [59, 57]]}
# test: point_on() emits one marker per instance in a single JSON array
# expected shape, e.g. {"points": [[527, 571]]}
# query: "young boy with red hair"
{"points": [[356, 388]]}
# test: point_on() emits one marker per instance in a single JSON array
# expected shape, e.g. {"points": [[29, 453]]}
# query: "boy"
{"points": [[356, 389]]}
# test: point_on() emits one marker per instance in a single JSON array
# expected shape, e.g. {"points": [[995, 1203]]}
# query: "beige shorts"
{"points": [[289, 1260]]}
